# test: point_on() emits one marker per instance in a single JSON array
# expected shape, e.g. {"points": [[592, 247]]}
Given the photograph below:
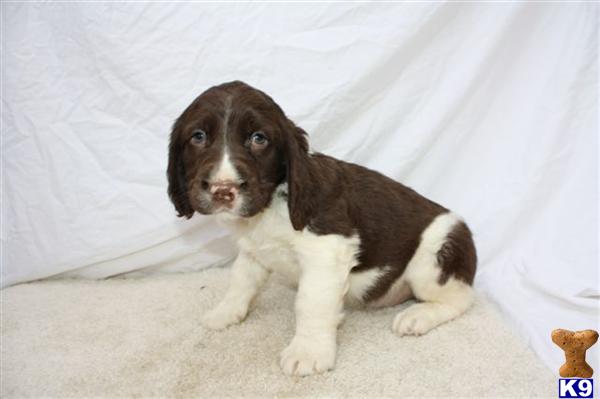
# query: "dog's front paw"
{"points": [[223, 316], [305, 356]]}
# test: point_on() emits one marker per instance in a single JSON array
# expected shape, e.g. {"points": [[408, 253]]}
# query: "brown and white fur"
{"points": [[341, 231]]}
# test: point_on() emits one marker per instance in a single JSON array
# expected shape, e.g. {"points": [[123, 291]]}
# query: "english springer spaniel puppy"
{"points": [[341, 231]]}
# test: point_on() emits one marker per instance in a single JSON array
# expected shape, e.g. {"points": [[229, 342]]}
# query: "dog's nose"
{"points": [[224, 191]]}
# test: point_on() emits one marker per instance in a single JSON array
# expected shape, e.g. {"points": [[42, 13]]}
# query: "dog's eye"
{"points": [[258, 140], [199, 137]]}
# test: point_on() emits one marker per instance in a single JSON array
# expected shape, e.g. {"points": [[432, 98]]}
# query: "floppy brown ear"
{"points": [[301, 198], [176, 176]]}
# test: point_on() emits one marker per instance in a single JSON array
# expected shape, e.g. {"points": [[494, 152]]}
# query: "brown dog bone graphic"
{"points": [[575, 344]]}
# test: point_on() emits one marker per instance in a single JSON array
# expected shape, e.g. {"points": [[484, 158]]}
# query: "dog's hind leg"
{"points": [[440, 275]]}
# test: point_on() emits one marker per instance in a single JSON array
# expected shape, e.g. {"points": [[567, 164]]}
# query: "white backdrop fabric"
{"points": [[488, 109]]}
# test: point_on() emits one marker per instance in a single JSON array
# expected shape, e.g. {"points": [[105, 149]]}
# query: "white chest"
{"points": [[269, 237], [271, 240]]}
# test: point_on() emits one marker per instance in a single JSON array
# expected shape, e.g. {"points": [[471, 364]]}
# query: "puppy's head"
{"points": [[229, 150]]}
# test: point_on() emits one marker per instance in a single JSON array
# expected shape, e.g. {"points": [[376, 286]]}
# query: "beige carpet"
{"points": [[128, 337]]}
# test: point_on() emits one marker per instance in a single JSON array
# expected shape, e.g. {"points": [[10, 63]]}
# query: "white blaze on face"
{"points": [[225, 171]]}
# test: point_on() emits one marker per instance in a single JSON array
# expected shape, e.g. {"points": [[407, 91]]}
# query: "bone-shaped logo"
{"points": [[575, 344]]}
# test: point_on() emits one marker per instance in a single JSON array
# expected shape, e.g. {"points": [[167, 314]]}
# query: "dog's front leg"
{"points": [[323, 280], [247, 276]]}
